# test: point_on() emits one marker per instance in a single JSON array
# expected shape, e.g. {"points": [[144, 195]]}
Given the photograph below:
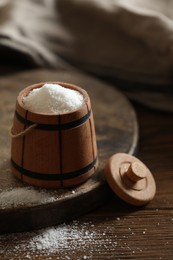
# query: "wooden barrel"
{"points": [[55, 150]]}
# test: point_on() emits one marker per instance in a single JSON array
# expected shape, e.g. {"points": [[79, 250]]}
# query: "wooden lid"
{"points": [[130, 179]]}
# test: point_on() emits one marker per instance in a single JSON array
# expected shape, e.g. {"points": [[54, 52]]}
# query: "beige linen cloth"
{"points": [[127, 42]]}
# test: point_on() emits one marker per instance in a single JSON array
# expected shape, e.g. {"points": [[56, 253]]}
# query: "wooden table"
{"points": [[121, 231]]}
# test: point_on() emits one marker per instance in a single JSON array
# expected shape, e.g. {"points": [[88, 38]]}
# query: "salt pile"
{"points": [[64, 240], [53, 99], [18, 197]]}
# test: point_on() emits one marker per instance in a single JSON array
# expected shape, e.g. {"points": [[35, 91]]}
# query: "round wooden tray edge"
{"points": [[100, 194]]}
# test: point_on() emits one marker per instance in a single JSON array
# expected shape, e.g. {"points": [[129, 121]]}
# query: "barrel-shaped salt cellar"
{"points": [[59, 150]]}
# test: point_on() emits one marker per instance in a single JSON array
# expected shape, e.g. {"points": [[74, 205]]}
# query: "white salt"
{"points": [[18, 197], [53, 99], [51, 240], [65, 241]]}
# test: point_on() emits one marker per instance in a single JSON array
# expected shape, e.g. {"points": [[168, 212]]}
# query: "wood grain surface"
{"points": [[116, 129]]}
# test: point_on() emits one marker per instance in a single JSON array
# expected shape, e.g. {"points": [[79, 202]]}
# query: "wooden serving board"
{"points": [[116, 129]]}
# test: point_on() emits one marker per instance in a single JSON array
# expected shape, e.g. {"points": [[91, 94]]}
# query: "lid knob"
{"points": [[136, 171]]}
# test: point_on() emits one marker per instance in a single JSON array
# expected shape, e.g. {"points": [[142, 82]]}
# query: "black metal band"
{"points": [[54, 176], [56, 127]]}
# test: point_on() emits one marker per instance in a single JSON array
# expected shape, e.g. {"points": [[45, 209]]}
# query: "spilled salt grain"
{"points": [[18, 197], [64, 240], [53, 99]]}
